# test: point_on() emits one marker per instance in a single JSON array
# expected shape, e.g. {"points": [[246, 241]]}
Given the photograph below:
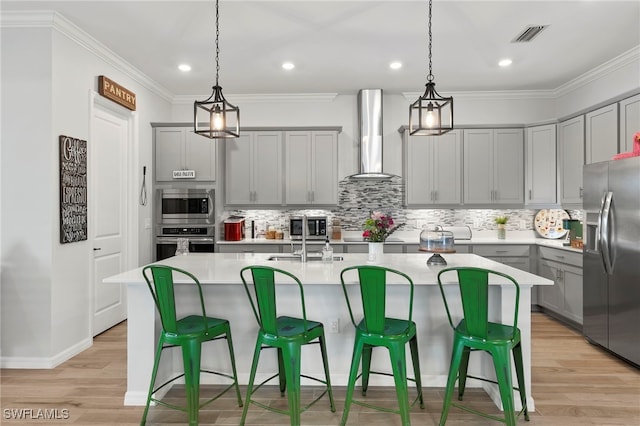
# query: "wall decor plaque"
{"points": [[73, 189], [117, 93]]}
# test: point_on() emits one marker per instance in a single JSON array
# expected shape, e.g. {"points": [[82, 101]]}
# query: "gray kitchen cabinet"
{"points": [[249, 248], [515, 255], [180, 149], [254, 169], [564, 298], [493, 166], [311, 167], [571, 158], [541, 170], [433, 169], [601, 136], [629, 122]]}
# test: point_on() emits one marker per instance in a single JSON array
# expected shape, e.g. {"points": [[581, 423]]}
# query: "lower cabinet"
{"points": [[249, 248], [564, 298], [515, 255]]}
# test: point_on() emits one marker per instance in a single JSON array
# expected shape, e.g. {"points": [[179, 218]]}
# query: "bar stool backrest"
{"points": [[373, 283], [474, 294], [160, 284], [263, 301]]}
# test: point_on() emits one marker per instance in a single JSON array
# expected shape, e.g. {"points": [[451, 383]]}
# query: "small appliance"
{"points": [[317, 227], [185, 206], [234, 228]]}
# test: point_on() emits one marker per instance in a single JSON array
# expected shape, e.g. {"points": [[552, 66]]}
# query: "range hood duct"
{"points": [[370, 135]]}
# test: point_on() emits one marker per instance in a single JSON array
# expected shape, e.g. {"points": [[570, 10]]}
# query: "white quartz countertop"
{"points": [[224, 268], [412, 237]]}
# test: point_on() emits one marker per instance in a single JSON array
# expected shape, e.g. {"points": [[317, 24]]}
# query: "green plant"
{"points": [[501, 220]]}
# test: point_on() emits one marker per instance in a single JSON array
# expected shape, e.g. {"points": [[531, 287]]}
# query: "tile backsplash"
{"points": [[358, 198]]}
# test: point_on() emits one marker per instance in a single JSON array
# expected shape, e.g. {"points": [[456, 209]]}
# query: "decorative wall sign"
{"points": [[112, 90], [184, 174], [73, 189]]}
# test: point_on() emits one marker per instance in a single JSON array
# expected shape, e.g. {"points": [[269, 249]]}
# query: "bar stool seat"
{"points": [[287, 335], [188, 333], [474, 332], [378, 330]]}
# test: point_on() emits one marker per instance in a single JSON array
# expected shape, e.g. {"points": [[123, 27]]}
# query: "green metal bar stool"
{"points": [[287, 335], [188, 333], [474, 332], [377, 330]]}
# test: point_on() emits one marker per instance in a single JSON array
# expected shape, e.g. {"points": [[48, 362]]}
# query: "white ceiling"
{"points": [[342, 46]]}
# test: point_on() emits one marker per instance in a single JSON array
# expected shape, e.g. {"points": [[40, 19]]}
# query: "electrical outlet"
{"points": [[420, 223], [334, 325], [523, 224]]}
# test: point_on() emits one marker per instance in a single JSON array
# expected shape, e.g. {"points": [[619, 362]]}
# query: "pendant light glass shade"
{"points": [[215, 117], [431, 114]]}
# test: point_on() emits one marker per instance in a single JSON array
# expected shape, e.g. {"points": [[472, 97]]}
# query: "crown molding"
{"points": [[54, 20], [491, 95], [630, 56], [263, 98]]}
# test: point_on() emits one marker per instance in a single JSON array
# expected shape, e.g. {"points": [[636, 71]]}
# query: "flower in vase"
{"points": [[378, 227]]}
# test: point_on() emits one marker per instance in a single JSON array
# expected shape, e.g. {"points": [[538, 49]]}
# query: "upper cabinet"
{"points": [[493, 166], [541, 165], [311, 167], [433, 169], [254, 169], [601, 142], [571, 157], [629, 122], [179, 149]]}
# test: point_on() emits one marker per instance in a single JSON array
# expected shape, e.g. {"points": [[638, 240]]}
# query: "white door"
{"points": [[108, 151]]}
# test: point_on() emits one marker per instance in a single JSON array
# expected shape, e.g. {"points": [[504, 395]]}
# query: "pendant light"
{"points": [[221, 119], [431, 114]]}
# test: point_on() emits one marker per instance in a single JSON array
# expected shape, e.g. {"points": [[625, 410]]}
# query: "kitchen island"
{"points": [[225, 297]]}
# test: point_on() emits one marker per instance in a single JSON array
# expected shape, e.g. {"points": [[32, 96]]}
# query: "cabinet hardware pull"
{"points": [[502, 251], [97, 248], [580, 192], [559, 257], [529, 194]]}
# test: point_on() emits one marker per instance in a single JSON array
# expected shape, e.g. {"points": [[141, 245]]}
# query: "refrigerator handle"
{"points": [[605, 232]]}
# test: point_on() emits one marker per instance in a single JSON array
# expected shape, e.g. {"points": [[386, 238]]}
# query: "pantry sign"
{"points": [[112, 90]]}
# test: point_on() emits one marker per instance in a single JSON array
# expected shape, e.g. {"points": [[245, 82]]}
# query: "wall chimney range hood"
{"points": [[370, 135]]}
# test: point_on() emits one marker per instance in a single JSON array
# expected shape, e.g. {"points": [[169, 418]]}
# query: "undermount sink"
{"points": [[296, 258], [362, 240]]}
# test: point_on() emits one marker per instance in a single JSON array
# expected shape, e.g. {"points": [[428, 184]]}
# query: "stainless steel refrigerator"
{"points": [[612, 257]]}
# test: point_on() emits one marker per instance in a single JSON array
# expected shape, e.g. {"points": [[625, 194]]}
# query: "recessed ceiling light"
{"points": [[184, 67], [288, 65], [395, 65], [505, 62]]}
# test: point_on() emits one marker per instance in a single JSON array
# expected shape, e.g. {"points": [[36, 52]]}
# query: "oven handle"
{"points": [[192, 240]]}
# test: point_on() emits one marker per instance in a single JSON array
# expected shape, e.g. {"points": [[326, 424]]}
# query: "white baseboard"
{"points": [[44, 362]]}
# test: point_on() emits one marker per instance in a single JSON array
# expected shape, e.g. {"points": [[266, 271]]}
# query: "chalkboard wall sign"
{"points": [[73, 189]]}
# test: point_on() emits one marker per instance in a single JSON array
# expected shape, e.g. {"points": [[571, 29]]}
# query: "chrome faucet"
{"points": [[303, 249]]}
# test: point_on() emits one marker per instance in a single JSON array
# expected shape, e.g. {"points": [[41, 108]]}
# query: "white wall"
{"points": [[618, 77], [45, 304], [27, 152]]}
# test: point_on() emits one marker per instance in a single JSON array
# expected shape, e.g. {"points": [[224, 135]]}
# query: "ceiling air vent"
{"points": [[528, 33]]}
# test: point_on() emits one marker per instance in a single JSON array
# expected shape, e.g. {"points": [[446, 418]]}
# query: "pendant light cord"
{"points": [[430, 76], [217, 43]]}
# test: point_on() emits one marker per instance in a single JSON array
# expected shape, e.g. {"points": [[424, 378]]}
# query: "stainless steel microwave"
{"points": [[317, 227], [186, 206]]}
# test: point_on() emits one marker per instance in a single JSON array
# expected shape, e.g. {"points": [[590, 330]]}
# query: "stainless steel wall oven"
{"points": [[184, 213]]}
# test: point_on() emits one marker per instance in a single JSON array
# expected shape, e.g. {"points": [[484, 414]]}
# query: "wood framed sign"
{"points": [[73, 189], [117, 93]]}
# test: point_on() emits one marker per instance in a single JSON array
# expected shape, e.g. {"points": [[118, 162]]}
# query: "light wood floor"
{"points": [[573, 383]]}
